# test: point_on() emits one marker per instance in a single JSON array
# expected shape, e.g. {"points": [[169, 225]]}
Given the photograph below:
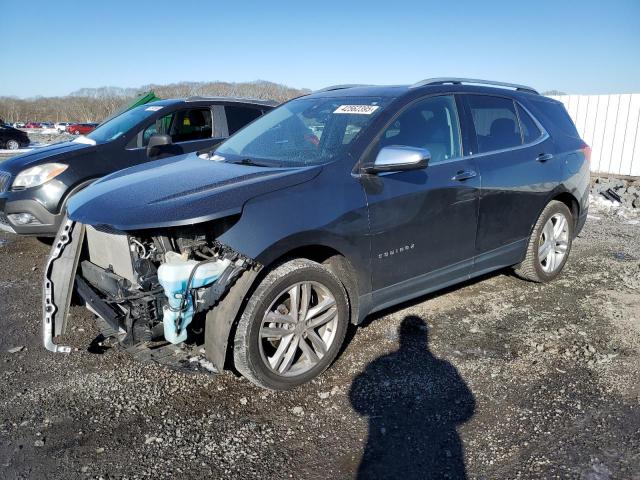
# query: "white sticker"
{"points": [[153, 109], [357, 109]]}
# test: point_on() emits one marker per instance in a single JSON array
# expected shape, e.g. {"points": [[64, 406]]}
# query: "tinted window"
{"points": [[530, 131], [495, 122], [191, 124], [238, 117], [160, 127], [557, 117], [432, 124]]}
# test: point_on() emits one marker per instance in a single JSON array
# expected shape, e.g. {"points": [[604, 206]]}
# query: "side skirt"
{"points": [[501, 257]]}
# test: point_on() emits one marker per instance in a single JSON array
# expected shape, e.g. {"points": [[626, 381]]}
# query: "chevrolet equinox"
{"points": [[332, 206]]}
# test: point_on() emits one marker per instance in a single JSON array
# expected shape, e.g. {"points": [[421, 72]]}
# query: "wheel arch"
{"points": [[222, 320], [73, 190], [571, 202], [336, 261], [562, 196]]}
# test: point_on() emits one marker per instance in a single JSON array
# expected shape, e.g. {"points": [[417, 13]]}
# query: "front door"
{"points": [[191, 130], [423, 222]]}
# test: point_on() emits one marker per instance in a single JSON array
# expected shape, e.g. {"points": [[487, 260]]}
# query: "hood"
{"points": [[178, 191], [52, 153]]}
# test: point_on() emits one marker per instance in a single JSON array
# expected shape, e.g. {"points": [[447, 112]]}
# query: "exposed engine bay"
{"points": [[147, 285]]}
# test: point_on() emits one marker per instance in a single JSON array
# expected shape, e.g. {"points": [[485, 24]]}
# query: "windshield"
{"points": [[121, 124], [306, 131]]}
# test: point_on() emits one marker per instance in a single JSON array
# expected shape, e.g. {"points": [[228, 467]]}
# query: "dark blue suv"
{"points": [[335, 205]]}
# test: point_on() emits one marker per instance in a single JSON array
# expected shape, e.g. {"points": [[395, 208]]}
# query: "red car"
{"points": [[33, 125], [81, 128]]}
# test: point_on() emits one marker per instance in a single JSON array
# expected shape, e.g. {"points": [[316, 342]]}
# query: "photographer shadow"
{"points": [[415, 403]]}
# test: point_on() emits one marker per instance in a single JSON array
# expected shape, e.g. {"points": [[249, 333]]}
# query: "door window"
{"points": [[159, 127], [238, 117], [191, 124], [530, 131], [431, 123], [495, 122]]}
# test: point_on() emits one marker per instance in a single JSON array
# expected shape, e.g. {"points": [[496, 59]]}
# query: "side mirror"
{"points": [[398, 158], [155, 142]]}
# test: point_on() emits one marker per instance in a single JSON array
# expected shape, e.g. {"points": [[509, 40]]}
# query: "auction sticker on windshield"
{"points": [[153, 109], [357, 109]]}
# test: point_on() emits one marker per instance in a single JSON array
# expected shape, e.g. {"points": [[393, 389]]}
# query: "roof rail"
{"points": [[339, 87], [259, 101], [459, 81]]}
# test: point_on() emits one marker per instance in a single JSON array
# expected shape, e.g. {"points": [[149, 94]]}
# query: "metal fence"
{"points": [[609, 124]]}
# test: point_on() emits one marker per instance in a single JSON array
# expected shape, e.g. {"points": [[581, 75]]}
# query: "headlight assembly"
{"points": [[34, 176]]}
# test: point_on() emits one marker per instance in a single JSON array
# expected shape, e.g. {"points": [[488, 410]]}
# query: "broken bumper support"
{"points": [[57, 287]]}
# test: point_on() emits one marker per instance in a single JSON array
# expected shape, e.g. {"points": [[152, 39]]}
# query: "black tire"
{"points": [[12, 144], [248, 359], [531, 267]]}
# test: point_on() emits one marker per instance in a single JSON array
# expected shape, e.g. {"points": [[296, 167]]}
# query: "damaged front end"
{"points": [[151, 287]]}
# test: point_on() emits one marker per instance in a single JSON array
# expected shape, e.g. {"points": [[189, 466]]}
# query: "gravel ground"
{"points": [[497, 378]]}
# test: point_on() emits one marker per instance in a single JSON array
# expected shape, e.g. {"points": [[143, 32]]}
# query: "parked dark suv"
{"points": [[36, 186], [333, 206]]}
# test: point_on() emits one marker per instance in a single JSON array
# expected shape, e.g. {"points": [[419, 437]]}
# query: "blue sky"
{"points": [[55, 47]]}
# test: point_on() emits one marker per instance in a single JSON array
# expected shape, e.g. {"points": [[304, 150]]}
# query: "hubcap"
{"points": [[298, 328], [12, 145], [553, 244]]}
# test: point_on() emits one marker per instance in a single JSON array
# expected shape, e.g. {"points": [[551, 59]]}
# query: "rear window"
{"points": [[557, 116], [495, 122], [238, 117], [530, 131]]}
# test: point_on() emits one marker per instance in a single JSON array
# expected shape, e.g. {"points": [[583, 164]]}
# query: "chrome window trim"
{"points": [[544, 136]]}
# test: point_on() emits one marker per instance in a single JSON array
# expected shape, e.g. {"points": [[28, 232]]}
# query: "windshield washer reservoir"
{"points": [[174, 275]]}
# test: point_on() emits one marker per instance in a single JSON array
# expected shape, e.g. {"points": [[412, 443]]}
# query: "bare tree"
{"points": [[93, 105]]}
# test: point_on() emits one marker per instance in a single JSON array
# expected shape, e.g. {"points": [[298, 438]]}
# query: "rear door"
{"points": [[515, 159], [423, 222]]}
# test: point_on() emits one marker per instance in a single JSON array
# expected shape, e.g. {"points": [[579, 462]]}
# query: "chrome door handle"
{"points": [[464, 175], [543, 157]]}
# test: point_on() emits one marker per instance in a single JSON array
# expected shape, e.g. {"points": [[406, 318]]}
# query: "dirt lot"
{"points": [[497, 378]]}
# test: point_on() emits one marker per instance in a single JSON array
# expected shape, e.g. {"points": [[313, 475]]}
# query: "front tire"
{"points": [[549, 244], [12, 144], [292, 327]]}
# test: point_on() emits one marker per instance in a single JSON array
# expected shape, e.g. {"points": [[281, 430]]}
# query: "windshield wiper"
{"points": [[252, 163]]}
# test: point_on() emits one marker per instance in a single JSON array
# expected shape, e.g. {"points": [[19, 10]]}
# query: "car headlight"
{"points": [[34, 176]]}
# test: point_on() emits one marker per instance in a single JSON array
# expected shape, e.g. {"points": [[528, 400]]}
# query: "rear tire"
{"points": [[292, 327], [12, 144], [549, 245]]}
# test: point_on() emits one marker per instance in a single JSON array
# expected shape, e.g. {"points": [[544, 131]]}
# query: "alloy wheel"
{"points": [[298, 328], [554, 242]]}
